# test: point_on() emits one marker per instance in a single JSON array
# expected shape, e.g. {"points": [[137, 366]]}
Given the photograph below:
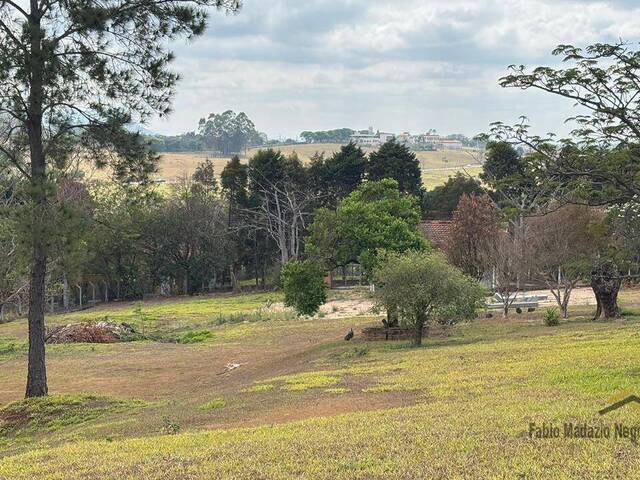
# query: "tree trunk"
{"points": [[417, 334], [606, 282], [65, 292], [36, 370], [505, 309], [234, 279]]}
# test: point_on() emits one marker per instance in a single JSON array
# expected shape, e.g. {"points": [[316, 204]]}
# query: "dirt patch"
{"points": [[402, 333], [100, 332]]}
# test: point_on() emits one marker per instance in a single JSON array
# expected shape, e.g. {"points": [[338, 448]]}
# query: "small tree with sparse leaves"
{"points": [[423, 288]]}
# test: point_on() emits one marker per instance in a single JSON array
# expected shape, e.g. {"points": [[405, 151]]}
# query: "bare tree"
{"points": [[562, 245], [506, 254], [283, 212]]}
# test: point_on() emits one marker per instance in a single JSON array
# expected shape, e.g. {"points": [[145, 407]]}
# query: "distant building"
{"points": [[406, 138], [441, 143], [451, 144], [367, 138]]}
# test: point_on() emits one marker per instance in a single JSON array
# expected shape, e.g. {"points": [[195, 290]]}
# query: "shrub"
{"points": [[195, 336], [551, 317], [423, 287], [304, 288]]}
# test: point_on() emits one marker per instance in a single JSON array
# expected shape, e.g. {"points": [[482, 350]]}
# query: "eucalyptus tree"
{"points": [[73, 74]]}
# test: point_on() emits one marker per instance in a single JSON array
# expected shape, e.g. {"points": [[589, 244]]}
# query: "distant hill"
{"points": [[437, 166]]}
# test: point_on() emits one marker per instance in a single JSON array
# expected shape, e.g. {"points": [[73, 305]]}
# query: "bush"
{"points": [[551, 317], [195, 336], [304, 288], [422, 288]]}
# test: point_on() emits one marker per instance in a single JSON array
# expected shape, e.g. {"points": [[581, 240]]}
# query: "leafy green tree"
{"points": [[304, 287], [228, 132], [115, 248], [394, 160], [423, 288], [204, 178], [376, 217], [339, 135], [73, 74], [186, 239], [441, 202], [502, 164], [234, 180], [234, 183]]}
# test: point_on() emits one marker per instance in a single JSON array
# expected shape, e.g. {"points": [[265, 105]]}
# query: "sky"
{"points": [[397, 65]]}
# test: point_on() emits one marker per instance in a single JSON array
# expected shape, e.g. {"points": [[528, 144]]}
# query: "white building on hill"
{"points": [[367, 138]]}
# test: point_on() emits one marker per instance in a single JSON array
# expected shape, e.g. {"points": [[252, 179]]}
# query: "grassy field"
{"points": [[305, 404], [437, 166]]}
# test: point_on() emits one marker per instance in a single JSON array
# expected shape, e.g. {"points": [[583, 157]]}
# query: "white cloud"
{"points": [[407, 64]]}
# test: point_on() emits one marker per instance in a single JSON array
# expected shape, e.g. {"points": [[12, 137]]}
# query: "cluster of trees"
{"points": [[56, 229], [338, 135], [227, 133]]}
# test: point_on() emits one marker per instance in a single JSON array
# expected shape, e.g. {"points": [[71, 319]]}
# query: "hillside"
{"points": [[437, 166], [302, 403]]}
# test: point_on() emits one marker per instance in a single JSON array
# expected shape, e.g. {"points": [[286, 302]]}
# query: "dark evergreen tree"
{"points": [[502, 163], [441, 202], [336, 177], [394, 160]]}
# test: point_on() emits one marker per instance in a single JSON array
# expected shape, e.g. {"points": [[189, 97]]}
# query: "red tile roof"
{"points": [[436, 231]]}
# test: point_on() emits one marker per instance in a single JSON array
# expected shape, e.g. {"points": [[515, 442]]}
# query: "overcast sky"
{"points": [[397, 65]]}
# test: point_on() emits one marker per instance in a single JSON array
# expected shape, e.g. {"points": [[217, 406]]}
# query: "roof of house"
{"points": [[436, 231]]}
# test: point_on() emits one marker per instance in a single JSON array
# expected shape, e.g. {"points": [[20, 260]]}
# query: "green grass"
{"points": [[458, 407], [213, 404], [195, 336], [36, 416], [175, 313]]}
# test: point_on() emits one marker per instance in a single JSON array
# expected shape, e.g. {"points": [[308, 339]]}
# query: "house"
{"points": [[436, 231], [451, 144], [367, 138], [406, 138]]}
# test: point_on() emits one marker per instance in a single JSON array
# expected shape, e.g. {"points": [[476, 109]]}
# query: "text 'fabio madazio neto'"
{"points": [[583, 430]]}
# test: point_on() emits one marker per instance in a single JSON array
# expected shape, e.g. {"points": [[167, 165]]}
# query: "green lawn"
{"points": [[319, 407]]}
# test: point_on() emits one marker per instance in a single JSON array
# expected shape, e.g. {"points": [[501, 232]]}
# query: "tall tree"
{"points": [[228, 132], [73, 74], [234, 188], [281, 205], [563, 245], [423, 288], [441, 202], [394, 160], [337, 176], [476, 222], [376, 217]]}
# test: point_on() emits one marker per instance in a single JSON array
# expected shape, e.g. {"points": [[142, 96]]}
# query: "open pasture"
{"points": [[303, 403]]}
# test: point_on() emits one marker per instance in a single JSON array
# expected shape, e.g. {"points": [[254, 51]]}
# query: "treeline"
{"points": [[206, 233], [338, 135], [227, 133]]}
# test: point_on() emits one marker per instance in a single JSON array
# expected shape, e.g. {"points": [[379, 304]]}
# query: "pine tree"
{"points": [[73, 74]]}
